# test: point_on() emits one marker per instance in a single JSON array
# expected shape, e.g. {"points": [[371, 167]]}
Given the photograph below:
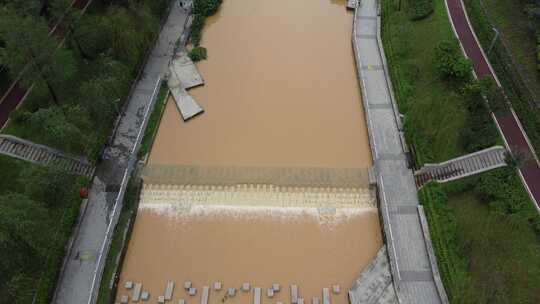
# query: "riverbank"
{"points": [[440, 135]]}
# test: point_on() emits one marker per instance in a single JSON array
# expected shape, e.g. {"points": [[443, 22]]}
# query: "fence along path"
{"points": [[462, 166], [43, 155]]}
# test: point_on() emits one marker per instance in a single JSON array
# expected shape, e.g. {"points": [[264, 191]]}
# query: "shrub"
{"points": [[206, 7], [196, 29], [21, 115], [451, 63], [197, 53], [495, 95], [480, 131], [420, 9]]}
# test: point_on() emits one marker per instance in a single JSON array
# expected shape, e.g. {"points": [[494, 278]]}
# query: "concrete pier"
{"points": [[185, 103]]}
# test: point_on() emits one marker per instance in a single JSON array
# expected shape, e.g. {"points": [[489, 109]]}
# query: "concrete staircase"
{"points": [[463, 166], [39, 154], [374, 286]]}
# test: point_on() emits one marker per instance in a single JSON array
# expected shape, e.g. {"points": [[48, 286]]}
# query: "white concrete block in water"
{"points": [[257, 295], [231, 292], [186, 71], [217, 285], [270, 292], [187, 285], [169, 290], [205, 295], [186, 104], [161, 299], [192, 291], [294, 294], [181, 301], [246, 287], [336, 289], [124, 299], [137, 292], [128, 285], [145, 295], [315, 300], [300, 300], [276, 287], [326, 296]]}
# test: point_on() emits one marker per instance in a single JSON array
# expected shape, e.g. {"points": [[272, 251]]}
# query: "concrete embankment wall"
{"points": [[412, 261]]}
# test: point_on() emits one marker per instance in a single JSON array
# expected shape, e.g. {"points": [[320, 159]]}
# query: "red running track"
{"points": [[15, 94], [509, 123]]}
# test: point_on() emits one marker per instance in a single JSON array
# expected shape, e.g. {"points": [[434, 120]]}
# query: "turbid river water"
{"points": [[280, 91]]}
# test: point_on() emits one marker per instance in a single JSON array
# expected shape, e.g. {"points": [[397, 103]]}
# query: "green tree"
{"points": [[56, 129], [86, 35], [101, 95], [47, 184], [29, 49], [124, 36], [24, 222], [451, 63], [198, 53], [22, 7]]}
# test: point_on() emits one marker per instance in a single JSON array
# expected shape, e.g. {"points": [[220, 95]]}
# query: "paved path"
{"points": [[509, 125], [15, 94], [77, 279], [412, 262]]}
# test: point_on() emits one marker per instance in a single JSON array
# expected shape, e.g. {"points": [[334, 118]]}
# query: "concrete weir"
{"points": [[412, 262]]}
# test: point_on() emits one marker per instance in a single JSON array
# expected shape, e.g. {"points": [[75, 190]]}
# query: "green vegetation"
{"points": [[519, 35], [420, 9], [153, 121], [445, 116], [419, 87], [79, 88], [126, 220], [201, 10], [198, 53], [485, 253], [38, 207], [451, 63]]}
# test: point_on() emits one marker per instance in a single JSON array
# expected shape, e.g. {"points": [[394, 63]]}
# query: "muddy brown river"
{"points": [[280, 91]]}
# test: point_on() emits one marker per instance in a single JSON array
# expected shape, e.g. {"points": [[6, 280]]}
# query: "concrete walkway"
{"points": [[412, 262], [510, 127], [80, 277]]}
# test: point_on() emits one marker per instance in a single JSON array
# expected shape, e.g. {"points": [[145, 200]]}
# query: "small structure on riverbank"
{"points": [[183, 75]]}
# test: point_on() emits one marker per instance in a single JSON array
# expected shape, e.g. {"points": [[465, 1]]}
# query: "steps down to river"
{"points": [[256, 195], [39, 154], [462, 166], [374, 286]]}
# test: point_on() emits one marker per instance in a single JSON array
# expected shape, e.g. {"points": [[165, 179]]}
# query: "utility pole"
{"points": [[494, 39]]}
